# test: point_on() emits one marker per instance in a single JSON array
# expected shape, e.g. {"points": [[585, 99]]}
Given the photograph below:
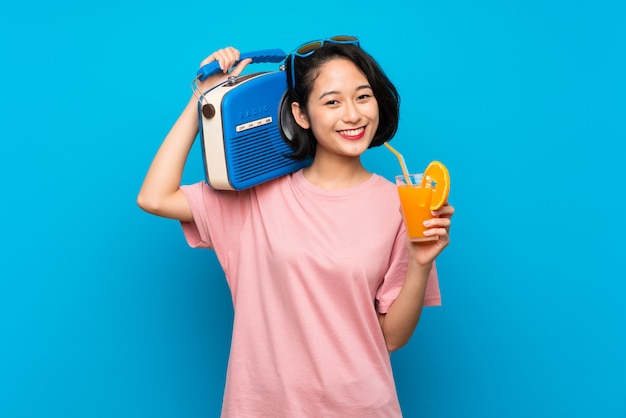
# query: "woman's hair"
{"points": [[307, 69]]}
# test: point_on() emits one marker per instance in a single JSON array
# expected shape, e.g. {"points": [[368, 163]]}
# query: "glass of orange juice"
{"points": [[415, 199]]}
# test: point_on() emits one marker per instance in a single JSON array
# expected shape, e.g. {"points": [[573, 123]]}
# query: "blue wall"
{"points": [[104, 310]]}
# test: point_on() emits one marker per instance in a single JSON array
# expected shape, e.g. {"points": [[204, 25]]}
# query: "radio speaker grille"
{"points": [[257, 154]]}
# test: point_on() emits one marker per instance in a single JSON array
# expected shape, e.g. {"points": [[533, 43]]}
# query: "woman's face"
{"points": [[342, 110]]}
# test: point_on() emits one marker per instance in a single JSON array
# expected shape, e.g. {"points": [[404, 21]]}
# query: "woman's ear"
{"points": [[300, 117]]}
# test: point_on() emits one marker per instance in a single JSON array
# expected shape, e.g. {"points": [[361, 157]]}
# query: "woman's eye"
{"points": [[364, 96], [332, 102]]}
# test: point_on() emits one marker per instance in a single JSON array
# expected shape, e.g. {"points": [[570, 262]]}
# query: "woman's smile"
{"points": [[353, 134]]}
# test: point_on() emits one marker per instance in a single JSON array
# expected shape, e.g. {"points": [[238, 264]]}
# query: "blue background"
{"points": [[104, 310]]}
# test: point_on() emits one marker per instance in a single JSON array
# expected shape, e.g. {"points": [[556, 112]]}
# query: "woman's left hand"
{"points": [[438, 226]]}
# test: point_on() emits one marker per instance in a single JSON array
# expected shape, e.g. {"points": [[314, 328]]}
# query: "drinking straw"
{"points": [[405, 171]]}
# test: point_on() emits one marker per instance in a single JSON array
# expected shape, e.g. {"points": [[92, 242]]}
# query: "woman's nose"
{"points": [[351, 113]]}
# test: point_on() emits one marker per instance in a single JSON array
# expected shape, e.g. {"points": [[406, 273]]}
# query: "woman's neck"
{"points": [[336, 174]]}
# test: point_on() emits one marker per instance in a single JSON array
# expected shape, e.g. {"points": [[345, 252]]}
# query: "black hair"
{"points": [[301, 141]]}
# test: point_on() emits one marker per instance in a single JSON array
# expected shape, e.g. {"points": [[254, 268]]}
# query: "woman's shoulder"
{"points": [[383, 184]]}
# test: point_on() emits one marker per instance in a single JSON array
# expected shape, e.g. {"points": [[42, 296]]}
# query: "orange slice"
{"points": [[438, 173]]}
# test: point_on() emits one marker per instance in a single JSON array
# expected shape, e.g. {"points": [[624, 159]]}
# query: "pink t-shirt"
{"points": [[307, 269]]}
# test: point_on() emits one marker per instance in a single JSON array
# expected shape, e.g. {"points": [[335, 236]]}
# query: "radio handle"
{"points": [[265, 55]]}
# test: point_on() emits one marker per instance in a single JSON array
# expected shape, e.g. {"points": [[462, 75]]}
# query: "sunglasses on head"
{"points": [[309, 48]]}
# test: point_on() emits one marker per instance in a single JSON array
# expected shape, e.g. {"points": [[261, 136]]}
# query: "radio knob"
{"points": [[208, 111]]}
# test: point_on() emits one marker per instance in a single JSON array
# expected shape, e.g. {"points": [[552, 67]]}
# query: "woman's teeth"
{"points": [[352, 132]]}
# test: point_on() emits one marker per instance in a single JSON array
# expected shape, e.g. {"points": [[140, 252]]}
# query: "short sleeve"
{"points": [[218, 217], [396, 274]]}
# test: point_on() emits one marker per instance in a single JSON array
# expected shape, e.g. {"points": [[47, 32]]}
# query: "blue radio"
{"points": [[242, 144]]}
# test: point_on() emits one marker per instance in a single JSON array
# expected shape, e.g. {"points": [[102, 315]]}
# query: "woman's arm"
{"points": [[400, 321], [160, 192]]}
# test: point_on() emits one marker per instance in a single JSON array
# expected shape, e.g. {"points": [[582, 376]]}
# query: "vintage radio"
{"points": [[242, 143]]}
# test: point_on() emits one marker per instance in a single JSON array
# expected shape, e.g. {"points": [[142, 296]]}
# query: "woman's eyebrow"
{"points": [[328, 93]]}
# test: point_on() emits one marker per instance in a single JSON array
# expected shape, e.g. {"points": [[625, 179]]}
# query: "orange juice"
{"points": [[415, 202]]}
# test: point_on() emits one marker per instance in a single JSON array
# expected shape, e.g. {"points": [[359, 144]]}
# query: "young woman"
{"points": [[324, 282]]}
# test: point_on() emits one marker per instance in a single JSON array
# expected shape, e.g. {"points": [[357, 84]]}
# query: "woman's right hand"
{"points": [[226, 57]]}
